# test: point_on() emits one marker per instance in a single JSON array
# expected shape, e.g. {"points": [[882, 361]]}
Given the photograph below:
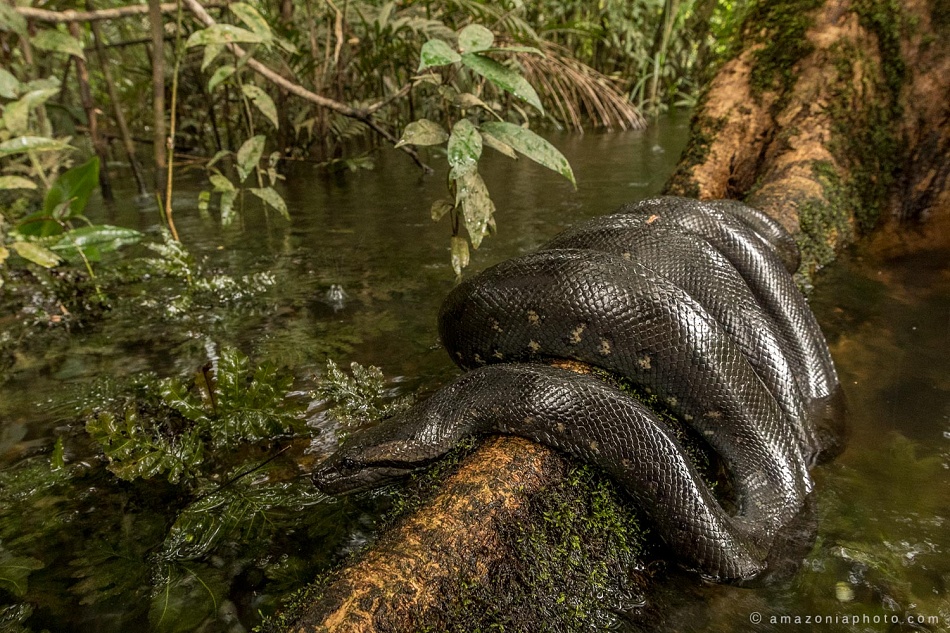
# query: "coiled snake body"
{"points": [[679, 297]]}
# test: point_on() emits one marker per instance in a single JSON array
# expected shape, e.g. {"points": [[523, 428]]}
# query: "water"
{"points": [[367, 237]]}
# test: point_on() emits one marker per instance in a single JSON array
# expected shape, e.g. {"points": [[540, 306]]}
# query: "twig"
{"points": [[296, 89], [45, 15]]}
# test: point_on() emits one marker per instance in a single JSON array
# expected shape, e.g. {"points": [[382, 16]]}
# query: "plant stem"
{"points": [[171, 129]]}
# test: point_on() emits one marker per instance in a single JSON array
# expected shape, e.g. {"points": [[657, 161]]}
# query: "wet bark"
{"points": [[829, 116]]}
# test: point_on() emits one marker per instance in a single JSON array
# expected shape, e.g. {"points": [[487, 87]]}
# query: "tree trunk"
{"points": [[829, 116], [832, 115]]}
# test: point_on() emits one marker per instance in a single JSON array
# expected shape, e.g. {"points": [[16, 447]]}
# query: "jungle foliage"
{"points": [[336, 79]]}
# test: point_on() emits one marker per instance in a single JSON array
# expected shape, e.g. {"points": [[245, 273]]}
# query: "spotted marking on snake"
{"points": [[672, 401], [715, 415], [605, 347], [499, 355], [577, 332], [495, 325], [594, 446], [644, 362], [533, 317], [560, 427], [534, 346]]}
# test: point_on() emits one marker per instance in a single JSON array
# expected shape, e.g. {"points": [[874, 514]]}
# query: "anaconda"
{"points": [[640, 320]]}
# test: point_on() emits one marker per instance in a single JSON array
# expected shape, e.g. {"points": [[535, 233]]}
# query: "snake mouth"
{"points": [[340, 479]]}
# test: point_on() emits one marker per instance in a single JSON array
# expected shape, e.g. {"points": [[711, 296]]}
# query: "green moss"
{"points": [[825, 222], [886, 19], [570, 563], [702, 133], [780, 28]]}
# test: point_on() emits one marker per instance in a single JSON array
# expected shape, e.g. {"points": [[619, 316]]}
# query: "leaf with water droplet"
{"points": [[250, 155], [531, 145], [460, 255], [474, 38], [273, 199], [436, 53], [220, 34], [464, 148], [263, 102], [423, 132], [254, 20], [58, 42], [503, 77], [477, 207], [220, 75]]}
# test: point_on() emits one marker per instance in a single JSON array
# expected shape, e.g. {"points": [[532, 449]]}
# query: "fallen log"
{"points": [[830, 116]]}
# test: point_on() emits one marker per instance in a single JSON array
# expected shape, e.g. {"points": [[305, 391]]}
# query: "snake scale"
{"points": [[691, 301]]}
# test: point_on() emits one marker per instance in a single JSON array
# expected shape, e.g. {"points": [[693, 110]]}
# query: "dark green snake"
{"points": [[653, 294]]}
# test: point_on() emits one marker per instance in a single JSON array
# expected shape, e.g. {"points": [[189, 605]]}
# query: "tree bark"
{"points": [[832, 116], [829, 116]]}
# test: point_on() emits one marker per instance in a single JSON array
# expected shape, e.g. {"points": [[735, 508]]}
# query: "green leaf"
{"points": [[439, 208], [273, 199], [217, 157], [16, 115], [58, 42], [465, 148], [220, 183], [36, 254], [474, 38], [263, 102], [23, 144], [423, 132], [9, 86], [220, 34], [102, 237], [227, 207], [254, 20], [75, 185], [188, 597], [16, 182], [211, 53], [459, 254], [220, 75], [503, 77], [249, 155], [66, 198], [436, 53], [477, 207], [496, 144], [515, 49], [15, 570], [4, 254], [531, 145], [57, 460], [10, 20]]}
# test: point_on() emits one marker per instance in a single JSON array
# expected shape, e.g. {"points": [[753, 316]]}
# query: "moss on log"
{"points": [[828, 116], [831, 116]]}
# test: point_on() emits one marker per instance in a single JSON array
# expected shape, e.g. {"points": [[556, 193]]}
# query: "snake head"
{"points": [[376, 456], [355, 468]]}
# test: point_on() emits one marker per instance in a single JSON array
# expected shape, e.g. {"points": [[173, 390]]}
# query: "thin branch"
{"points": [[296, 89], [60, 17]]}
